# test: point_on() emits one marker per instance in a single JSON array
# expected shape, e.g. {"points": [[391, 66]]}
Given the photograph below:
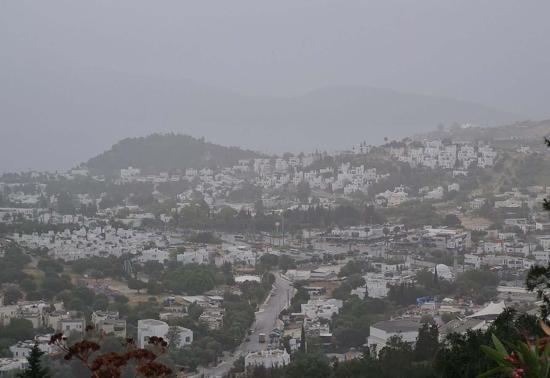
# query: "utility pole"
{"points": [[283, 225]]}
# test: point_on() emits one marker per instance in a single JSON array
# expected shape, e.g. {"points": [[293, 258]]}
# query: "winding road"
{"points": [[266, 318]]}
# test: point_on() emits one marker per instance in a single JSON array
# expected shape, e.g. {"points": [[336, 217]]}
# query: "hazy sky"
{"points": [[494, 52]]}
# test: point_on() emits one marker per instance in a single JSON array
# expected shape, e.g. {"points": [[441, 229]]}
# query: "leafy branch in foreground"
{"points": [[111, 364], [528, 359]]}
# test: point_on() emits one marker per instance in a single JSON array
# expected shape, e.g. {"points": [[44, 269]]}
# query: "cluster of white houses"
{"points": [[42, 315], [438, 154], [138, 245], [215, 185]]}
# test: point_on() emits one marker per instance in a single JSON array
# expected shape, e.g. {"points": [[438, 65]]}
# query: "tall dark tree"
{"points": [[303, 347], [427, 342], [34, 368], [136, 284], [309, 365]]}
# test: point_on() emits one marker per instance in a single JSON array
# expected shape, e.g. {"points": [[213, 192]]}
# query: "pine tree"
{"points": [[303, 340], [34, 368], [427, 342]]}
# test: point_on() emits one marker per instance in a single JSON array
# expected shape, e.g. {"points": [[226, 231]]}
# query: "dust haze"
{"points": [[75, 77]]}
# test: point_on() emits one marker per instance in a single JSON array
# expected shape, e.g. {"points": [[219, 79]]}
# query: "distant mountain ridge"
{"points": [[77, 113], [166, 152]]}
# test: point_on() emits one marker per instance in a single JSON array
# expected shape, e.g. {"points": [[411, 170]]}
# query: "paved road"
{"points": [[265, 321]]}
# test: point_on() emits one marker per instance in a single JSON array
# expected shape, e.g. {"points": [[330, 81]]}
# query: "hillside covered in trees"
{"points": [[524, 132], [166, 152]]}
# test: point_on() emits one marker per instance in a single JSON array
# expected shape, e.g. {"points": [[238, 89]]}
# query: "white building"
{"points": [[70, 326], [239, 255], [153, 255], [321, 308], [376, 285], [444, 272], [267, 358], [200, 256], [22, 349], [447, 238], [544, 242], [184, 336], [98, 316], [490, 312], [454, 187], [381, 332], [8, 365], [129, 173], [435, 194], [148, 328]]}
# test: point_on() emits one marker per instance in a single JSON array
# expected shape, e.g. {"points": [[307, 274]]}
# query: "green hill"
{"points": [[166, 152]]}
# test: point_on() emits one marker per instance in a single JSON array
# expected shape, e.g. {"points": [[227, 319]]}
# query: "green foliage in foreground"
{"points": [[459, 356], [529, 359]]}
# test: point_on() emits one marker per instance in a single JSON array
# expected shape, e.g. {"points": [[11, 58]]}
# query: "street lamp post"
{"points": [[277, 229]]}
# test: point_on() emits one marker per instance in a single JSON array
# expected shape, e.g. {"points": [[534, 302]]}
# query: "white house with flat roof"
{"points": [[184, 336], [382, 331], [153, 255], [148, 328], [267, 358]]}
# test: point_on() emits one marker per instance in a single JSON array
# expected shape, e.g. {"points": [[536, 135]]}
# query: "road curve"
{"points": [[265, 321]]}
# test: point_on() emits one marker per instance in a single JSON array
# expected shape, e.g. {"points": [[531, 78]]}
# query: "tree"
{"points": [[308, 365], [538, 280], [286, 263], [301, 296], [52, 284], [460, 354], [28, 285], [100, 363], [47, 265], [34, 368], [451, 220], [65, 204], [194, 310], [205, 238], [352, 267], [12, 264], [259, 208], [427, 342], [136, 284], [17, 329], [538, 277], [520, 359], [396, 357], [352, 325], [153, 287], [303, 341], [12, 295], [303, 191], [477, 284], [153, 268]]}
